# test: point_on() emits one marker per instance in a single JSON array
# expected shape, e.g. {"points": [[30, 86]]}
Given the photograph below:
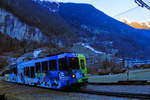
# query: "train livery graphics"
{"points": [[56, 72]]}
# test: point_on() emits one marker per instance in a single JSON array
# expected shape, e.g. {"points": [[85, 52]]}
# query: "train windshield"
{"points": [[73, 63], [63, 64]]}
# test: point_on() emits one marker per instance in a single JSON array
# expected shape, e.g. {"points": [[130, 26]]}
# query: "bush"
{"points": [[118, 70], [92, 70], [108, 66], [144, 66], [103, 72]]}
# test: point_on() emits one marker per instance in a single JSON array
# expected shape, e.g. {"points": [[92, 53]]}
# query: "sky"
{"points": [[115, 7]]}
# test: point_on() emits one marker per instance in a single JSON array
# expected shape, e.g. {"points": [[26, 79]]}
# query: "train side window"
{"points": [[44, 66], [7, 72], [11, 71], [15, 70], [32, 71], [53, 65], [38, 67], [28, 73], [63, 64], [82, 64], [25, 71]]}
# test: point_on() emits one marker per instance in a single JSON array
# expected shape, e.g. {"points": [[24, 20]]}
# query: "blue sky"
{"points": [[114, 7]]}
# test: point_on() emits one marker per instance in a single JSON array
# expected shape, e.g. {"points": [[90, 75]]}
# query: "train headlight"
{"points": [[73, 76], [84, 75]]}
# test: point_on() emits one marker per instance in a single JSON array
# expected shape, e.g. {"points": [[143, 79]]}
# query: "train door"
{"points": [[26, 75], [82, 63], [14, 73], [20, 74], [10, 75], [45, 74], [31, 75], [26, 72], [53, 73], [6, 73], [64, 71], [38, 73]]}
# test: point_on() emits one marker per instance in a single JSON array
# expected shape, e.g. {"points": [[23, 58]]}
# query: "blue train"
{"points": [[57, 72]]}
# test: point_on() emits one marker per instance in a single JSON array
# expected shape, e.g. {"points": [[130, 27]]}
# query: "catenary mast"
{"points": [[143, 3]]}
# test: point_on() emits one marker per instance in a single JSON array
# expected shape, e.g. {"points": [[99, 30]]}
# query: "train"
{"points": [[56, 72]]}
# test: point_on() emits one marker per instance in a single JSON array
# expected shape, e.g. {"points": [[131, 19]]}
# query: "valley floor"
{"points": [[141, 74]]}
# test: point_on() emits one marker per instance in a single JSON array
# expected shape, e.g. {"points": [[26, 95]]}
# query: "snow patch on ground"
{"points": [[91, 48], [37, 52]]}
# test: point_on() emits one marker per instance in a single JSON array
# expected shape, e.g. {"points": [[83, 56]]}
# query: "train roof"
{"points": [[51, 57]]}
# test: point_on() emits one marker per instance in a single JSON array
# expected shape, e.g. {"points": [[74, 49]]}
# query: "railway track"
{"points": [[122, 83], [95, 92], [117, 93]]}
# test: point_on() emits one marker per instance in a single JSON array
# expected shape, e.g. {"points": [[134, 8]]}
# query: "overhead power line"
{"points": [[126, 11]]}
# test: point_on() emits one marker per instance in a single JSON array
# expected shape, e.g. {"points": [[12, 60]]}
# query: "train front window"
{"points": [[73, 63], [63, 64], [82, 64]]}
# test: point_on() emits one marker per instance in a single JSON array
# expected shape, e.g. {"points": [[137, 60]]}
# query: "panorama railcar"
{"points": [[59, 71]]}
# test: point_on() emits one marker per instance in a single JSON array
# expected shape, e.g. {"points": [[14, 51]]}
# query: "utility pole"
{"points": [[127, 70]]}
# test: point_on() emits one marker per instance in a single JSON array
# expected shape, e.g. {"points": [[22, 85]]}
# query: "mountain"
{"points": [[137, 25], [62, 26], [105, 33]]}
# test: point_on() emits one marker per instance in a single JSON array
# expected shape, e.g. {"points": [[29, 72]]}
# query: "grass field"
{"points": [[141, 74]]}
